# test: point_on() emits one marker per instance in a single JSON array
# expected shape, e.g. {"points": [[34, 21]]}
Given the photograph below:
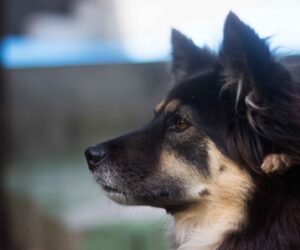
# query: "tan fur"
{"points": [[174, 167], [159, 106], [220, 209], [172, 105], [276, 163]]}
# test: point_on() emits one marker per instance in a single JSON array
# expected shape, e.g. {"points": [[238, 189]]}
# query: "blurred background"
{"points": [[76, 72]]}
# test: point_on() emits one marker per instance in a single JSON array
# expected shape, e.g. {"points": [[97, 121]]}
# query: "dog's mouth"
{"points": [[139, 194], [128, 198], [118, 195], [158, 199], [110, 189]]}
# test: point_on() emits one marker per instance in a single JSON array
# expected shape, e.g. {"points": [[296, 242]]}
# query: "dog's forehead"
{"points": [[195, 86], [197, 89]]}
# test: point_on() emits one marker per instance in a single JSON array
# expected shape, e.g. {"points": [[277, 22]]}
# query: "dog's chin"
{"points": [[118, 196], [125, 198]]}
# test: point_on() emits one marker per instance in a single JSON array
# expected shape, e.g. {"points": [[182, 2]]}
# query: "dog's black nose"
{"points": [[94, 156]]}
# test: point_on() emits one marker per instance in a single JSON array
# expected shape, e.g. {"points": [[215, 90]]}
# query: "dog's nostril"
{"points": [[94, 155]]}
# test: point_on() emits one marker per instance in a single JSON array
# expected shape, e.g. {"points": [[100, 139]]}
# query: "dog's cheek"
{"points": [[228, 182], [190, 147], [192, 182]]}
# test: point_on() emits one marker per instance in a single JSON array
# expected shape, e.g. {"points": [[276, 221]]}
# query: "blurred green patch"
{"points": [[62, 193], [125, 237]]}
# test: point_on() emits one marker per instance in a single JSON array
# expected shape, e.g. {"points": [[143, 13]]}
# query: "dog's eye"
{"points": [[181, 124], [176, 123]]}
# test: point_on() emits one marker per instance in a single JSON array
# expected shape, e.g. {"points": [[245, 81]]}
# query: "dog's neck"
{"points": [[204, 226]]}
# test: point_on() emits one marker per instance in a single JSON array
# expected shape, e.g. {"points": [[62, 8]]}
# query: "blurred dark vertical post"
{"points": [[5, 239]]}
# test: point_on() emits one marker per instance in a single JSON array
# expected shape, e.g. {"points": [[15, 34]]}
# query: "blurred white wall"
{"points": [[88, 19]]}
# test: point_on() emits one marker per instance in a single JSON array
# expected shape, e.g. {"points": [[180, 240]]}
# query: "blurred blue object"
{"points": [[24, 52]]}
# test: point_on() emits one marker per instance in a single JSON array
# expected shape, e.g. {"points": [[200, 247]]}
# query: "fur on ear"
{"points": [[248, 65], [188, 58], [267, 98], [246, 59]]}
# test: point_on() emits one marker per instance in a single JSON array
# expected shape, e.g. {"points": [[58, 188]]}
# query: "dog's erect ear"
{"points": [[265, 92], [188, 58], [247, 62]]}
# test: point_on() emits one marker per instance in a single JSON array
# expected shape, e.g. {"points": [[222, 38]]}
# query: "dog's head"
{"points": [[210, 134]]}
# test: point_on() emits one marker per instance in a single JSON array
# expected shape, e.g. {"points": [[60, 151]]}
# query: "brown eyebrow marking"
{"points": [[172, 106], [159, 106]]}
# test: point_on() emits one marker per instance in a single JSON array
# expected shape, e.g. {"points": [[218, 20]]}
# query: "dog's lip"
{"points": [[110, 189]]}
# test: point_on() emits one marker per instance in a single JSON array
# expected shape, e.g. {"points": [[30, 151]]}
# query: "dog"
{"points": [[210, 155]]}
